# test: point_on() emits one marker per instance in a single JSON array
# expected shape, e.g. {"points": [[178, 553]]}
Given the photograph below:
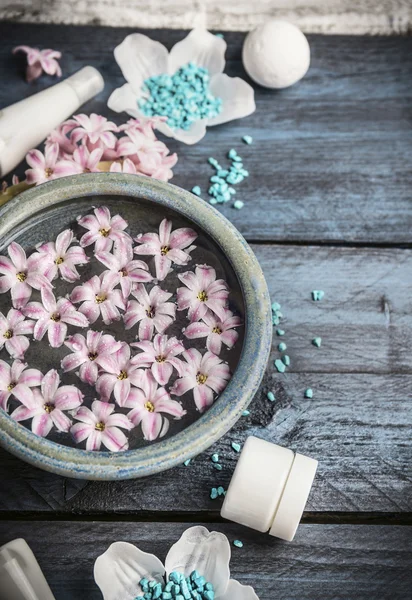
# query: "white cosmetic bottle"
{"points": [[27, 123]]}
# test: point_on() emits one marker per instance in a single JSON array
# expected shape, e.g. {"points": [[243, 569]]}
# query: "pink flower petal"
{"points": [[214, 343], [56, 333], [68, 397], [50, 384], [41, 424], [89, 372], [63, 241], [20, 294], [151, 426], [6, 266], [182, 238], [31, 377], [196, 330], [18, 256], [24, 394], [183, 385], [105, 385], [60, 420], [114, 439], [94, 441], [91, 311], [80, 432], [162, 372], [203, 397], [17, 346], [40, 328]]}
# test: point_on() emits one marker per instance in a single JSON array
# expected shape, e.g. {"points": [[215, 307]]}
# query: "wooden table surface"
{"points": [[327, 206]]}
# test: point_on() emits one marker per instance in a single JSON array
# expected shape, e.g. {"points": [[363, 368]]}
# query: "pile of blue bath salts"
{"points": [[177, 587]]}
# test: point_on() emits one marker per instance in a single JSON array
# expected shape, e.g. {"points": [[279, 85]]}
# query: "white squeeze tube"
{"points": [[27, 123]]}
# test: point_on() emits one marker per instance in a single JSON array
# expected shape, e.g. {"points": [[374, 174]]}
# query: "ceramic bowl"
{"points": [[41, 212]]}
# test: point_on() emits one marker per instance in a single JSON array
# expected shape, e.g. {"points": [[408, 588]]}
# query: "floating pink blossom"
{"points": [[94, 129], [53, 317], [204, 375], [119, 373], [161, 355], [16, 380], [39, 61], [101, 426], [126, 166], [104, 230], [88, 352], [216, 330], [99, 297], [57, 257], [82, 161], [13, 331], [45, 167], [46, 408], [21, 274], [147, 404], [203, 291], [152, 310], [167, 247], [121, 262]]}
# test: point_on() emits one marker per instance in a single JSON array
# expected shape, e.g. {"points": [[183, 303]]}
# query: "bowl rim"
{"points": [[223, 414]]}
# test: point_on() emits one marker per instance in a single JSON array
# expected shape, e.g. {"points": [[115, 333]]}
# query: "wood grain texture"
{"points": [[332, 562], [331, 158]]}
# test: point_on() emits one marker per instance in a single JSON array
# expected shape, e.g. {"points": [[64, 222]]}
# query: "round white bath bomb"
{"points": [[276, 54]]}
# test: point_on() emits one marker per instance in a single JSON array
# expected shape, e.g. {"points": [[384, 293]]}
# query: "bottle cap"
{"points": [[86, 83], [269, 488]]}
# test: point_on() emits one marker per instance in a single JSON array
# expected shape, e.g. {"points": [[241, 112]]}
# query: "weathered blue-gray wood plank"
{"points": [[331, 158]]}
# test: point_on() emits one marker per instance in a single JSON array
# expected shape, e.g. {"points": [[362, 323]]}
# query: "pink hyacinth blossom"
{"points": [[39, 61], [151, 310], [101, 425], [119, 373], [163, 171], [48, 405], [16, 380], [82, 161], [161, 356], [53, 316], [216, 330], [202, 291], [148, 404], [57, 258], [20, 275], [145, 126], [104, 229], [99, 297], [88, 352], [13, 331], [126, 166], [148, 154], [45, 167], [60, 136], [205, 375], [167, 246], [121, 262], [91, 130]]}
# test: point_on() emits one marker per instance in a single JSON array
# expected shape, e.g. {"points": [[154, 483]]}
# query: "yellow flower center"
{"points": [[216, 330], [55, 317], [48, 408], [99, 298], [21, 276], [122, 375], [201, 378], [123, 272], [11, 386], [48, 172], [149, 406], [99, 426], [164, 250], [92, 355], [202, 296], [150, 312], [59, 260], [8, 334], [104, 232], [160, 358]]}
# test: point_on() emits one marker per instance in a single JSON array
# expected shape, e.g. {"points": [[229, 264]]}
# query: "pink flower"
{"points": [[163, 171], [100, 426], [119, 373], [16, 381], [148, 154], [161, 355], [100, 298], [13, 331], [39, 61], [204, 375], [44, 166], [94, 129], [152, 310], [103, 229], [167, 247], [53, 317], [57, 257], [21, 274], [127, 166], [148, 403], [217, 330], [203, 291], [83, 161], [145, 126], [46, 408], [88, 352], [121, 262], [60, 137]]}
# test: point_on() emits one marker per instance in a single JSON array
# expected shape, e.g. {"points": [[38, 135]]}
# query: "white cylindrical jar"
{"points": [[269, 488]]}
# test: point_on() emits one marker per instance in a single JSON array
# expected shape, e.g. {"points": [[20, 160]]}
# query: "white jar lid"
{"points": [[269, 488]]}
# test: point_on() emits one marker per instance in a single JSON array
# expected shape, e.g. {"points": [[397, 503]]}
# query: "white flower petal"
{"points": [[192, 136], [201, 47], [118, 571], [140, 57], [237, 591], [238, 98], [124, 99], [208, 553]]}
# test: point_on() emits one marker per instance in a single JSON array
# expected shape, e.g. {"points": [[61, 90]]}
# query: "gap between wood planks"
{"points": [[330, 244]]}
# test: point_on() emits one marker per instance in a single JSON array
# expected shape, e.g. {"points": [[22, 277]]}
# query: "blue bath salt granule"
{"points": [[246, 413], [221, 491], [213, 493], [187, 462], [220, 35], [236, 447], [282, 347], [280, 332], [317, 295], [196, 190], [286, 359], [215, 457], [177, 587], [247, 139], [238, 204], [238, 543], [309, 393], [183, 97], [270, 396], [280, 365], [217, 466], [317, 341]]}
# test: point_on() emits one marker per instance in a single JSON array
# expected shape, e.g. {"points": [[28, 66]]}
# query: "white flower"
{"points": [[140, 57], [118, 571]]}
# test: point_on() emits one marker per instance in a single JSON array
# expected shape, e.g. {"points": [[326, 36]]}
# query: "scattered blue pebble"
{"points": [[238, 543], [317, 295], [280, 365], [309, 393], [282, 347], [196, 190], [286, 359], [246, 413], [187, 462], [220, 35], [275, 306], [213, 493], [217, 466], [280, 332], [247, 139], [270, 396], [317, 341], [236, 447], [238, 204], [221, 491], [215, 457], [232, 154]]}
